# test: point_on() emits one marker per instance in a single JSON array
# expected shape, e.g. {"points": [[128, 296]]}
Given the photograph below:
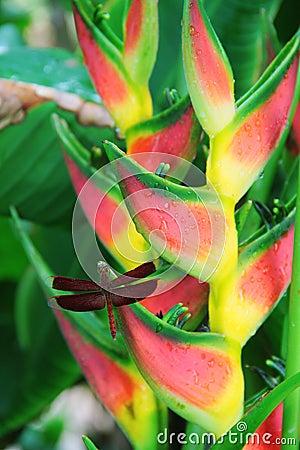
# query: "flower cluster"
{"points": [[235, 276]]}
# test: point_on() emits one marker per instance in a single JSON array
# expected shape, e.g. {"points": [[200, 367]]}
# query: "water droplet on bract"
{"points": [[192, 30], [163, 225], [211, 362], [148, 193], [195, 377], [166, 205], [241, 293]]}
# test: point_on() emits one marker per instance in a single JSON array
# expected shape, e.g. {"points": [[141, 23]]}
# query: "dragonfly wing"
{"points": [[72, 284], [142, 271], [133, 293], [91, 301]]}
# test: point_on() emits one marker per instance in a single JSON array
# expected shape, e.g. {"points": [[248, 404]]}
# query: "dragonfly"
{"points": [[124, 290]]}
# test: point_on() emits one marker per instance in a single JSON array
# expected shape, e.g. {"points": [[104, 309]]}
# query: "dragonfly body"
{"points": [[123, 290]]}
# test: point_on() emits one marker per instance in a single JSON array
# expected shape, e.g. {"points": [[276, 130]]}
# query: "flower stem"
{"points": [[195, 437], [292, 403]]}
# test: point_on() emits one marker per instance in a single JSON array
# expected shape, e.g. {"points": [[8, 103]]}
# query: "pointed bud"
{"points": [[262, 118], [208, 71]]}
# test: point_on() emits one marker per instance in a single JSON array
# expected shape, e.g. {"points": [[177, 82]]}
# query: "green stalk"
{"points": [[194, 437], [292, 403]]}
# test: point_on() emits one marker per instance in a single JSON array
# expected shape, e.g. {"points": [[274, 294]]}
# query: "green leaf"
{"points": [[33, 176], [32, 171], [31, 378], [88, 443], [13, 258], [292, 403], [52, 67], [10, 36], [168, 70]]}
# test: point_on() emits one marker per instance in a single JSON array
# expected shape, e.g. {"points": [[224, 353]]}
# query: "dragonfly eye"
{"points": [[104, 272], [101, 265]]}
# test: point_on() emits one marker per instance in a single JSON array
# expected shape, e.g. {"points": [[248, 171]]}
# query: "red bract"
{"points": [[207, 69], [119, 387], [174, 132], [262, 116], [118, 91], [140, 39], [190, 292], [262, 277], [197, 374]]}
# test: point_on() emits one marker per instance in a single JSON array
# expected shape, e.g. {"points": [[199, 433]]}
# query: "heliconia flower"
{"points": [[119, 386], [140, 39], [268, 433], [208, 71], [127, 102], [189, 291], [190, 227], [118, 240], [175, 131], [261, 119], [263, 275], [198, 375]]}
